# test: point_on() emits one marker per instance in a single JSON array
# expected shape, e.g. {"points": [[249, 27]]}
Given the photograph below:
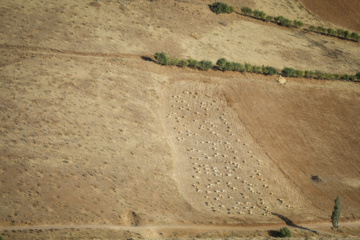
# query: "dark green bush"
{"points": [[331, 31], [340, 32], [174, 61], [309, 74], [205, 65], [183, 63], [162, 58], [298, 23], [345, 77], [337, 76], [357, 75], [319, 74], [229, 66], [269, 70], [192, 63], [256, 69], [288, 72], [238, 67], [246, 10], [248, 67], [298, 73], [285, 232], [355, 36], [221, 64], [259, 14], [269, 18], [219, 7]]}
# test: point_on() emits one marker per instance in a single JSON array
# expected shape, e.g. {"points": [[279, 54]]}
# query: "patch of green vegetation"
{"points": [[224, 65], [219, 7]]}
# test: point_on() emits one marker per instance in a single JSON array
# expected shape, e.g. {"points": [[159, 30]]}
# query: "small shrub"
{"points": [[219, 7], [183, 63], [319, 74], [346, 34], [269, 18], [285, 22], [331, 31], [256, 69], [288, 72], [162, 58], [221, 63], [340, 32], [248, 67], [269, 70], [246, 10], [205, 65], [354, 36], [298, 73], [352, 78], [309, 74], [298, 23], [174, 61], [238, 67], [312, 28], [259, 14], [229, 66], [285, 232], [337, 76], [357, 75], [192, 63]]}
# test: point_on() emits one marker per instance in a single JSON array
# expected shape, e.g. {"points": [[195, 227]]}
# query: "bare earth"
{"points": [[95, 134]]}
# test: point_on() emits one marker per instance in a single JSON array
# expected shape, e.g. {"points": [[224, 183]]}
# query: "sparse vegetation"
{"points": [[285, 232], [219, 7]]}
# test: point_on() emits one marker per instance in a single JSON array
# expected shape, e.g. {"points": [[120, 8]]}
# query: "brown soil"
{"points": [[343, 13], [94, 132]]}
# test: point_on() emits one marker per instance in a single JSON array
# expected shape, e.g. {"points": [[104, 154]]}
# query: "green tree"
{"points": [[269, 18], [331, 31], [248, 67], [238, 67], [221, 63], [354, 36], [285, 232], [312, 28], [229, 66], [192, 63], [288, 72], [174, 61], [161, 58], [246, 10], [269, 70], [219, 7], [205, 65], [336, 214], [183, 63], [357, 75]]}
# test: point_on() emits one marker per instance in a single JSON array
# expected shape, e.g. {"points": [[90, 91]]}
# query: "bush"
{"points": [[221, 63], [285, 232], [162, 58], [337, 76], [331, 31], [319, 74], [355, 36], [357, 75], [219, 7], [248, 67], [246, 10], [312, 28], [228, 66], [256, 69], [238, 67], [269, 18], [269, 70], [298, 23], [298, 73], [288, 72], [205, 65], [174, 62], [183, 63], [192, 63], [259, 14], [309, 74]]}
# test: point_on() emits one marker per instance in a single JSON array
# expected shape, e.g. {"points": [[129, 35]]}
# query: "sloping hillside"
{"points": [[95, 132]]}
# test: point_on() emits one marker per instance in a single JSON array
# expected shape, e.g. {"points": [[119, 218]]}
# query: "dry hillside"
{"points": [[94, 132]]}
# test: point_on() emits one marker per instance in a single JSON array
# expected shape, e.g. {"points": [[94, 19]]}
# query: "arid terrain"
{"points": [[100, 141]]}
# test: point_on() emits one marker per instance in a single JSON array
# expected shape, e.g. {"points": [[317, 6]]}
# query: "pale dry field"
{"points": [[93, 133]]}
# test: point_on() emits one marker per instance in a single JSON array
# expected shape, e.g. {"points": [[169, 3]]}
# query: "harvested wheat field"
{"points": [[100, 141]]}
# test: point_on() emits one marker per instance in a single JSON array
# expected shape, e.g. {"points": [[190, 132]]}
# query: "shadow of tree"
{"points": [[149, 59], [290, 223]]}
